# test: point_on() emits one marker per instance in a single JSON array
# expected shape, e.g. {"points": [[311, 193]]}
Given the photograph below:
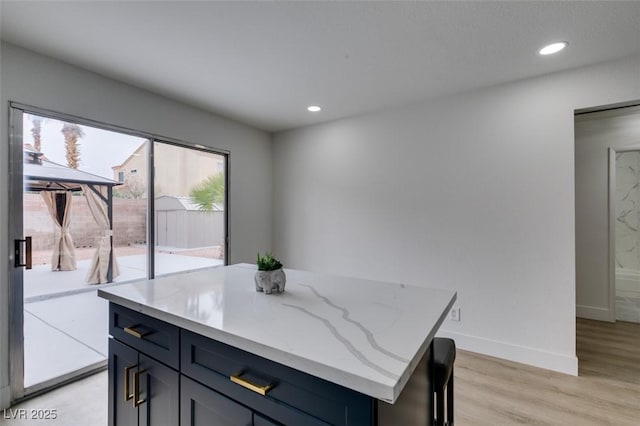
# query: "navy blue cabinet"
{"points": [[160, 374], [142, 391]]}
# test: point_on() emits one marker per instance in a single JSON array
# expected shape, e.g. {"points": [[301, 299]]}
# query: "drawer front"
{"points": [[151, 336], [293, 397]]}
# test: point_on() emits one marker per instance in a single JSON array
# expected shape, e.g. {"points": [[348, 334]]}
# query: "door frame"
{"points": [[16, 274], [198, 147], [612, 151], [16, 225]]}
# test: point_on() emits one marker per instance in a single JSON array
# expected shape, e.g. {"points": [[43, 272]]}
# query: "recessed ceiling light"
{"points": [[313, 108], [553, 48]]}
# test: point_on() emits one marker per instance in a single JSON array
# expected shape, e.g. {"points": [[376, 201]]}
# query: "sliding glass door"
{"points": [[189, 194], [92, 206]]}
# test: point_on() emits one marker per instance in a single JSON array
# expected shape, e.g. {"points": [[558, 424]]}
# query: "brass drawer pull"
{"points": [[261, 389], [136, 391], [135, 333], [127, 395]]}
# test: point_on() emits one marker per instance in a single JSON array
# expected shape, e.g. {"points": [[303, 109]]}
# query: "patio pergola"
{"points": [[42, 175]]}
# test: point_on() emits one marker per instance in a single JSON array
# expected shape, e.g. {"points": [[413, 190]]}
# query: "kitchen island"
{"points": [[204, 347]]}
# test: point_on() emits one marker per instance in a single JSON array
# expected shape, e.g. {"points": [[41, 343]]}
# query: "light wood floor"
{"points": [[488, 391]]}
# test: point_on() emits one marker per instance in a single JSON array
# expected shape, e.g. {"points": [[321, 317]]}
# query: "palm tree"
{"points": [[72, 132], [36, 132], [208, 192]]}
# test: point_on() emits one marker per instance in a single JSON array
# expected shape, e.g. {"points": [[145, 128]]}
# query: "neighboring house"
{"points": [[132, 174], [188, 169]]}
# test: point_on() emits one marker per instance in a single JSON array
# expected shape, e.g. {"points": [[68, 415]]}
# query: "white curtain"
{"points": [[64, 257], [99, 266]]}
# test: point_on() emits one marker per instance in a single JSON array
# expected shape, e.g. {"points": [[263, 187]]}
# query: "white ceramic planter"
{"points": [[270, 281]]}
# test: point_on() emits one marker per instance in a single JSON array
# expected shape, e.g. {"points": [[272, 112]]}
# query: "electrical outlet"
{"points": [[454, 314]]}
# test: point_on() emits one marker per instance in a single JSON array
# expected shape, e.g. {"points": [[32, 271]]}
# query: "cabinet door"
{"points": [[201, 406], [123, 361], [157, 393]]}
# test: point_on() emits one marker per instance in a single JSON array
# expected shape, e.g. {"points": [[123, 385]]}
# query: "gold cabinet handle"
{"points": [[136, 391], [135, 333], [127, 395], [262, 390]]}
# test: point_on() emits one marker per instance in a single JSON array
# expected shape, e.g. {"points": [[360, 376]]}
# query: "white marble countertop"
{"points": [[364, 335]]}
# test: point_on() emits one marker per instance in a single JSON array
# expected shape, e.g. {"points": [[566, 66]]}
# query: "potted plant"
{"points": [[269, 277]]}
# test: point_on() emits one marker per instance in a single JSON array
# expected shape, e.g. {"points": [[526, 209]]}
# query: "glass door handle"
{"points": [[18, 253]]}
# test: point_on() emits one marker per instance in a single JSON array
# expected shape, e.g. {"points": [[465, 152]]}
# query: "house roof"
{"points": [[44, 175], [131, 156]]}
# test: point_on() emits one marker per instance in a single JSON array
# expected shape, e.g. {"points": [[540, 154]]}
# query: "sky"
{"points": [[99, 149]]}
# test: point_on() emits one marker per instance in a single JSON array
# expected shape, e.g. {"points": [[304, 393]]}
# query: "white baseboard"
{"points": [[551, 361], [5, 397], [592, 312]]}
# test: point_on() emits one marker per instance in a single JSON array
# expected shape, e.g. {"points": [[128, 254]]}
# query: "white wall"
{"points": [[473, 193], [595, 133], [36, 80]]}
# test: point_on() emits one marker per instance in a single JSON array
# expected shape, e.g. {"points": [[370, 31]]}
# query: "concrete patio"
{"points": [[65, 322]]}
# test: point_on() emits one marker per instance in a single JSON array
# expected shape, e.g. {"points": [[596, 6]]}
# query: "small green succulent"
{"points": [[268, 262]]}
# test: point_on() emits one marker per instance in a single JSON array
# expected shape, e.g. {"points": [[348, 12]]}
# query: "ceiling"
{"points": [[263, 63]]}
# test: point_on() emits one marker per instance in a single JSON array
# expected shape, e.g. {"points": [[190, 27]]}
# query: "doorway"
{"points": [[601, 137], [83, 215], [607, 179]]}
